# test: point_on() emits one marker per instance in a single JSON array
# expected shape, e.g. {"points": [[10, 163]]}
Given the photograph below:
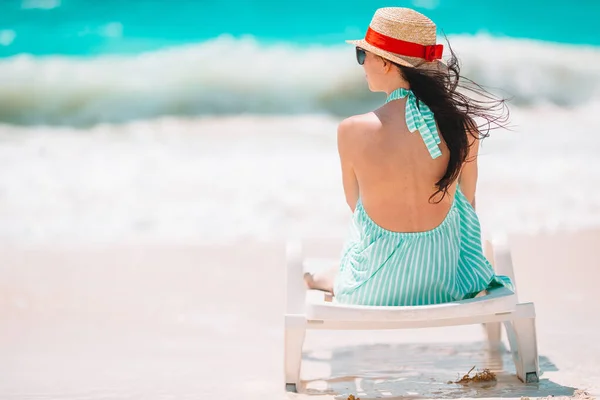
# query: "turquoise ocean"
{"points": [[92, 28], [81, 62]]}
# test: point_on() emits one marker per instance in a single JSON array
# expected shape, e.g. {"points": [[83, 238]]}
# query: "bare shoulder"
{"points": [[357, 127]]}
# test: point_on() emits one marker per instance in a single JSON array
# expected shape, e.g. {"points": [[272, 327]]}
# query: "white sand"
{"points": [[202, 322]]}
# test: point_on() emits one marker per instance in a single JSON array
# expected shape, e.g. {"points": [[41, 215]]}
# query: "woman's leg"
{"points": [[322, 280]]}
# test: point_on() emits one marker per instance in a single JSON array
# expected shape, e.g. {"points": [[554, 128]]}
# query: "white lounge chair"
{"points": [[316, 310]]}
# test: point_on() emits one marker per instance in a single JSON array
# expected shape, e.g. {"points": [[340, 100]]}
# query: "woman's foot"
{"points": [[308, 279], [321, 280]]}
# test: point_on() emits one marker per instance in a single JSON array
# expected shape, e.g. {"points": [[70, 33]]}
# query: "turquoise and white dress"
{"points": [[385, 268]]}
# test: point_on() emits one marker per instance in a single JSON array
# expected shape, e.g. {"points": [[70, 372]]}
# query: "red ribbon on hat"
{"points": [[400, 47]]}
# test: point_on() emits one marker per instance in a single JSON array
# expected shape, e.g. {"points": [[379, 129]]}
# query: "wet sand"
{"points": [[205, 322]]}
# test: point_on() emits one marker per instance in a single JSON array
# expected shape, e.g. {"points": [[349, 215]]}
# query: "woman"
{"points": [[409, 174]]}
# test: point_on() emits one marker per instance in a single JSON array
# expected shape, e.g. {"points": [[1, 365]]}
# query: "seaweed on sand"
{"points": [[484, 376]]}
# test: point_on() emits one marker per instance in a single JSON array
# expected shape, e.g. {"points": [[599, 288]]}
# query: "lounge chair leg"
{"points": [[502, 259], [494, 335], [295, 319], [523, 344], [295, 331], [493, 330], [295, 285]]}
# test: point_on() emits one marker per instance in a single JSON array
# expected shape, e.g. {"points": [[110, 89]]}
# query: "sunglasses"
{"points": [[361, 54]]}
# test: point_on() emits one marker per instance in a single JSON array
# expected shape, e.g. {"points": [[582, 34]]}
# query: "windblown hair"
{"points": [[456, 106]]}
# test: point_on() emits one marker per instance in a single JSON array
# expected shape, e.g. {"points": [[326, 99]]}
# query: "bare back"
{"points": [[395, 172]]}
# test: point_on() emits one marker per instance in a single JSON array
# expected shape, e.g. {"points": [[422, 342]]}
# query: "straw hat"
{"points": [[404, 36]]}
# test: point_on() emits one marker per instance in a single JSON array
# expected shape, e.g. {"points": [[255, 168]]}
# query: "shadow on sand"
{"points": [[407, 371]]}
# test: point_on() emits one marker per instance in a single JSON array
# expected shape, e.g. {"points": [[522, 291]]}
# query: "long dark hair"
{"points": [[456, 106]]}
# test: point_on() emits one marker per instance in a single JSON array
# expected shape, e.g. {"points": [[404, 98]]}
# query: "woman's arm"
{"points": [[468, 175], [345, 150]]}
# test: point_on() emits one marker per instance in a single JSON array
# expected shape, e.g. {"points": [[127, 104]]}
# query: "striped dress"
{"points": [[381, 267]]}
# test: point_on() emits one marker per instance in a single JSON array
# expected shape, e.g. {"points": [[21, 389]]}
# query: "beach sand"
{"points": [[206, 322]]}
